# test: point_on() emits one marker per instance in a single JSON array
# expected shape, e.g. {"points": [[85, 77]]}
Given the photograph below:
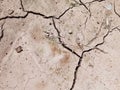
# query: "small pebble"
{"points": [[19, 49]]}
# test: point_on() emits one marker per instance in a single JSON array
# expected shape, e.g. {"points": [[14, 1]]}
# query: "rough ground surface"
{"points": [[59, 45]]}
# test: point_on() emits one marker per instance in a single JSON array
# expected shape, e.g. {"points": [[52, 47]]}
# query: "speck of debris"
{"points": [[19, 49], [50, 23], [70, 32], [90, 65], [11, 43], [10, 11], [98, 23], [10, 71]]}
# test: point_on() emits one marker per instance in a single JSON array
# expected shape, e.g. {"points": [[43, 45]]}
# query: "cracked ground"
{"points": [[59, 45]]}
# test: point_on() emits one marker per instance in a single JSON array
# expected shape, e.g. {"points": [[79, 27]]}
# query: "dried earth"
{"points": [[59, 45]]}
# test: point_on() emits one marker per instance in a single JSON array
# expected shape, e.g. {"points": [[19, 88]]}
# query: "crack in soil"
{"points": [[59, 35], [61, 42], [34, 13], [85, 7], [115, 10], [45, 16], [80, 60], [86, 51], [2, 31], [82, 55]]}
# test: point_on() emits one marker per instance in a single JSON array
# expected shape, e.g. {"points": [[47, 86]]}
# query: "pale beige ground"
{"points": [[43, 41]]}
